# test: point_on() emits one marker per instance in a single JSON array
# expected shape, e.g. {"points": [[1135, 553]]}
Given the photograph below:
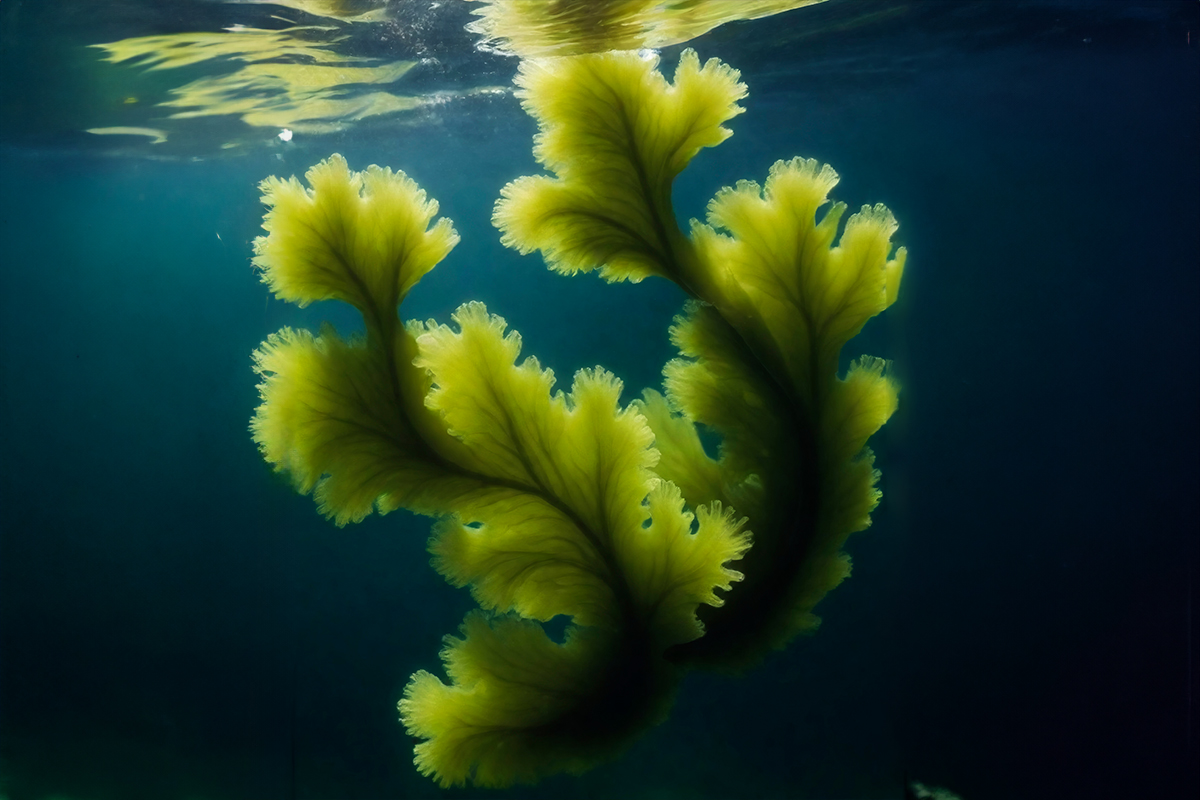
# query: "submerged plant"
{"points": [[569, 504]]}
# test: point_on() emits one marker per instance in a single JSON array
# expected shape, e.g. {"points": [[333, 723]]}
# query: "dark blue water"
{"points": [[176, 622]]}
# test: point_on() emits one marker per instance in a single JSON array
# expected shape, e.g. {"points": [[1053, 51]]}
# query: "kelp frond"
{"points": [[546, 502], [778, 293]]}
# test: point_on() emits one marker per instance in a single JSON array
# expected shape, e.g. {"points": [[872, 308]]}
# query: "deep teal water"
{"points": [[176, 623]]}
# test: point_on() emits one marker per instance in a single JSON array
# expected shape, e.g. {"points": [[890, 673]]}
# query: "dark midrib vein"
{"points": [[616, 582], [802, 506], [639, 168]]}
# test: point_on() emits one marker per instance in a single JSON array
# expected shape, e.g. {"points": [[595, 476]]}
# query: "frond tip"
{"points": [[520, 706], [671, 570], [797, 296], [360, 237], [329, 419], [609, 205]]}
